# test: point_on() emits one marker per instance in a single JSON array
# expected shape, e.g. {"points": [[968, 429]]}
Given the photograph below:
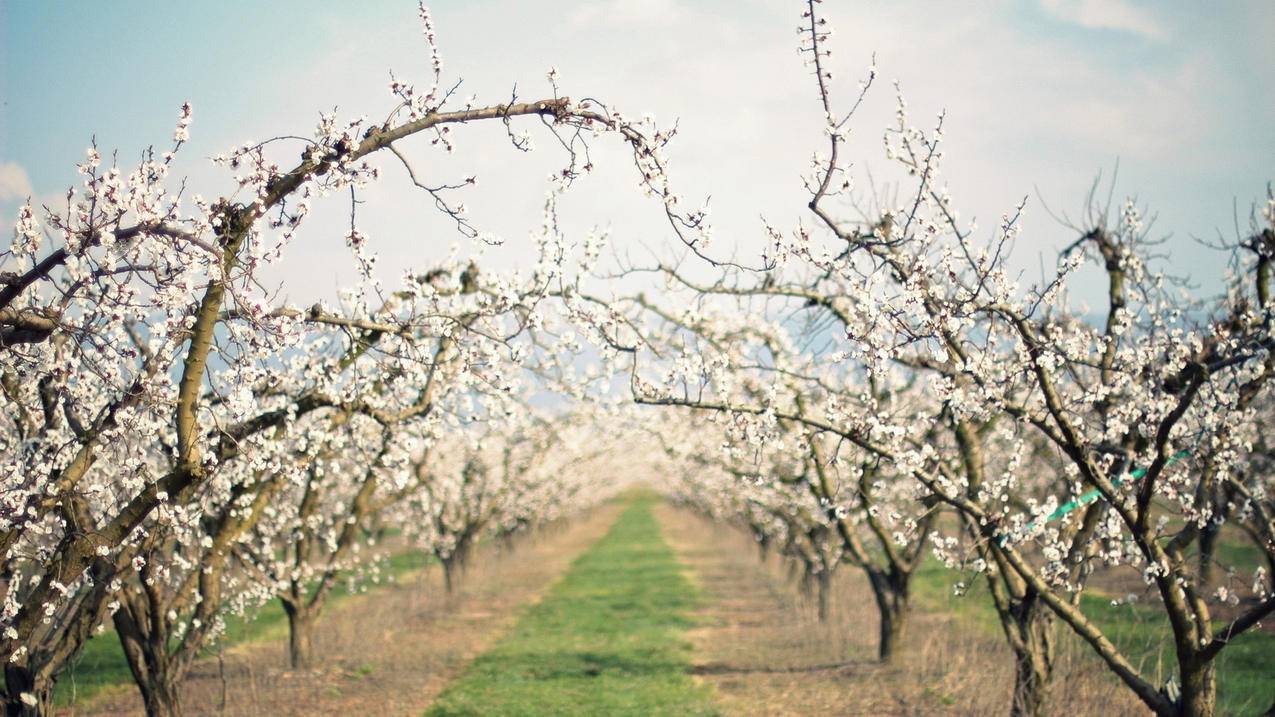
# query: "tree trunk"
{"points": [[825, 587], [449, 578], [1199, 688], [300, 635], [155, 674], [1030, 626], [891, 592], [20, 681], [162, 699], [158, 673], [892, 621]]}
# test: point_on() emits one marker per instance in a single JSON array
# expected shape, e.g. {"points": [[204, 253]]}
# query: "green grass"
{"points": [[101, 665], [606, 640], [1245, 669]]}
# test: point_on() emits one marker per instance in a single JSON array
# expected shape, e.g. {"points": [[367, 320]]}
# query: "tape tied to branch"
{"points": [[1090, 496]]}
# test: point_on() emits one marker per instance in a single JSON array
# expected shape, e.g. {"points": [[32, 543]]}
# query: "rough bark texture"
{"points": [[1199, 688], [154, 671]]}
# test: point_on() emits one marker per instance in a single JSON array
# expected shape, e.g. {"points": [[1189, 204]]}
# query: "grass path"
{"points": [[390, 651], [608, 639]]}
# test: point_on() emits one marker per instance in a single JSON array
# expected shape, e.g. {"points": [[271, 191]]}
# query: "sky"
{"points": [[1041, 96]]}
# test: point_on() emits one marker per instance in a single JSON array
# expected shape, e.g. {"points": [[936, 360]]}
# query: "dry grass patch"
{"points": [[763, 648]]}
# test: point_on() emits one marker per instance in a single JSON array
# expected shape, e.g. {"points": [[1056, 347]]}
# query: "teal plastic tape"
{"points": [[1095, 494]]}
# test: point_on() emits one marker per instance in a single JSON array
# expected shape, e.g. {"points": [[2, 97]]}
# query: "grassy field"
{"points": [[102, 666], [607, 639]]}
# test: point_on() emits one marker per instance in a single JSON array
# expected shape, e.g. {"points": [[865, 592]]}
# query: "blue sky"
{"points": [[1040, 94]]}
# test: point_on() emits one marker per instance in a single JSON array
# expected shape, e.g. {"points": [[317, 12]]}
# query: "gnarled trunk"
{"points": [[156, 672], [1030, 627], [162, 698]]}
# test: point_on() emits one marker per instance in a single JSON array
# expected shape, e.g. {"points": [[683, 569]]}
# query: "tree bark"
{"points": [[162, 699], [449, 577], [300, 635], [155, 656], [1032, 643], [891, 590], [825, 589], [154, 671], [1199, 688]]}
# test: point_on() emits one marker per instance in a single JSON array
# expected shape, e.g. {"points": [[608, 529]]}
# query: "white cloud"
{"points": [[1107, 15], [15, 185]]}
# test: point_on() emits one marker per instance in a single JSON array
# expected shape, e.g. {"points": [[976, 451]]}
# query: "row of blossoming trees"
{"points": [[882, 387], [890, 394], [877, 390]]}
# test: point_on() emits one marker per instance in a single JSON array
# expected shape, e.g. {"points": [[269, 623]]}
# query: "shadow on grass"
{"points": [[721, 669]]}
